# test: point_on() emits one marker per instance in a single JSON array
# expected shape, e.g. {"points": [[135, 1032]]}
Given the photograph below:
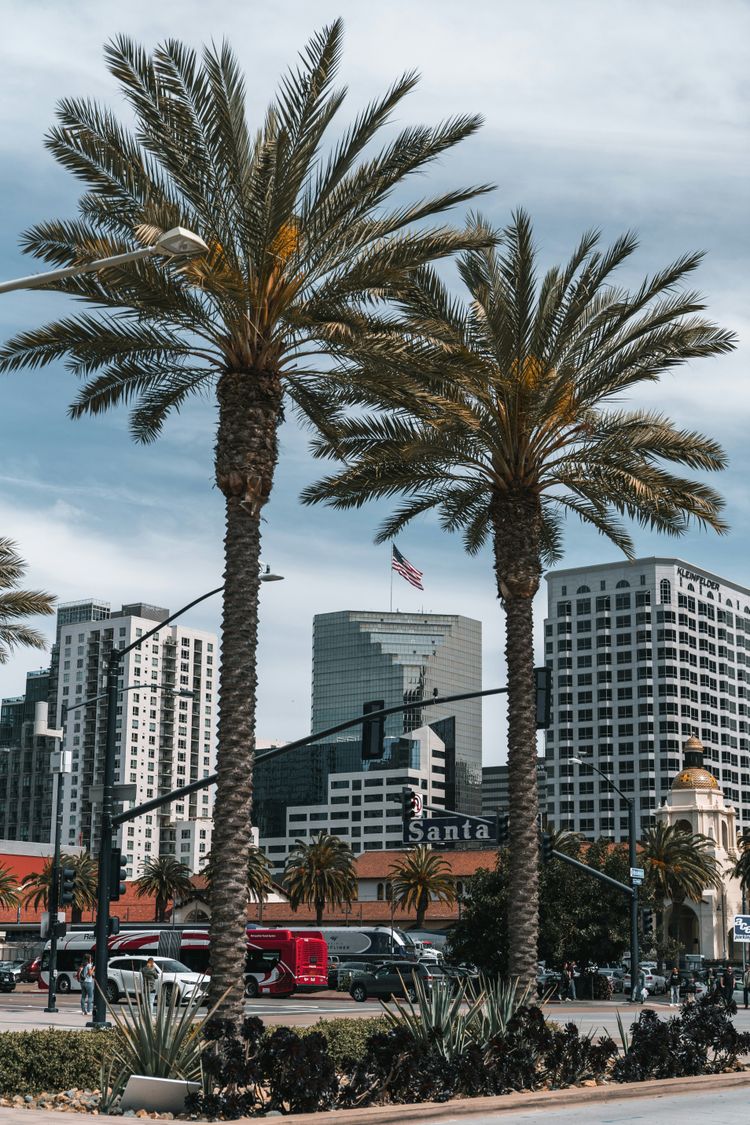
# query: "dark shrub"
{"points": [[299, 1071]]}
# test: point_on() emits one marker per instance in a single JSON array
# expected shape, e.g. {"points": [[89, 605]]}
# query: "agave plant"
{"points": [[165, 1042], [497, 1002], [434, 1018]]}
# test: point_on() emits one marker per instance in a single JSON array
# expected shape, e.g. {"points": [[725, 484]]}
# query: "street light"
{"points": [[633, 859], [175, 243], [267, 575]]}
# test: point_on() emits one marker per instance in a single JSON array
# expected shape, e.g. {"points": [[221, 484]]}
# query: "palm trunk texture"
{"points": [[246, 452], [517, 526]]}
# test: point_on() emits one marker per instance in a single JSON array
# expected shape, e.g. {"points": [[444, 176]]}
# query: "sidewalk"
{"points": [[431, 1113]]}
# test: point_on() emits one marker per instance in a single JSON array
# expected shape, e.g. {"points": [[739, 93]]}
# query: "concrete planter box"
{"points": [[160, 1095]]}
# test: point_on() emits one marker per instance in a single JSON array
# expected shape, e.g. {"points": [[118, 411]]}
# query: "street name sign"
{"points": [[449, 829], [742, 927]]}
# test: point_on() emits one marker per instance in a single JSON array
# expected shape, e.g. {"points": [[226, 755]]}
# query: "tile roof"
{"points": [[462, 863]]}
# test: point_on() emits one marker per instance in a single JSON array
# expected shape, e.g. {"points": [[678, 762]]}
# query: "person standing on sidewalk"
{"points": [[572, 985], [150, 975], [86, 978], [746, 983], [674, 988], [728, 984]]}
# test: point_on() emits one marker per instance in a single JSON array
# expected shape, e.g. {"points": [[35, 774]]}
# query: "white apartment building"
{"points": [[644, 654], [164, 739], [363, 807]]}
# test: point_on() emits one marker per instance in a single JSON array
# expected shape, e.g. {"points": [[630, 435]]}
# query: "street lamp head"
{"points": [[576, 761], [180, 243], [269, 576]]}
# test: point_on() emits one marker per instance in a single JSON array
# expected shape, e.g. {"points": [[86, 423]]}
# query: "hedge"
{"points": [[346, 1038], [33, 1061]]}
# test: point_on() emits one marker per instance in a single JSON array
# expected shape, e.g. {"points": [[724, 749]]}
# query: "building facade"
{"points": [[361, 806], [644, 654], [26, 780], [392, 658], [164, 739], [495, 796]]}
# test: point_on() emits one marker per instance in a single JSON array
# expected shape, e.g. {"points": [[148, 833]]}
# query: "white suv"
{"points": [[124, 977]]}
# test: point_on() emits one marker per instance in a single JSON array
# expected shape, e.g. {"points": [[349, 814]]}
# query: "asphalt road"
{"points": [[24, 1008], [719, 1107]]}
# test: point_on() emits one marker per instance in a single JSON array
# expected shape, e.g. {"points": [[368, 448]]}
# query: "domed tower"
{"points": [[697, 804]]}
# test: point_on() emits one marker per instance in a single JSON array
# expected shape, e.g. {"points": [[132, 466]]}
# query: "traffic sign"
{"points": [[741, 927], [446, 829], [637, 873], [418, 803]]}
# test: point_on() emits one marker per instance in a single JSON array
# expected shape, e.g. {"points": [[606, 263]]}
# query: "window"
{"points": [[583, 590], [665, 591], [623, 584]]}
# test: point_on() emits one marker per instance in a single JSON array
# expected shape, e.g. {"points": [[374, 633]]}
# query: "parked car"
{"points": [[660, 981], [30, 970], [124, 977], [347, 969], [547, 983], [7, 981], [13, 967], [652, 983], [700, 985], [613, 974], [396, 978]]}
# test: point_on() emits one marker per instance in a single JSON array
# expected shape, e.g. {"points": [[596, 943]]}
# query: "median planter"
{"points": [[158, 1095]]}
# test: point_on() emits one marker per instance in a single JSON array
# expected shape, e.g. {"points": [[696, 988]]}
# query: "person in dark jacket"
{"points": [[728, 985], [673, 984]]}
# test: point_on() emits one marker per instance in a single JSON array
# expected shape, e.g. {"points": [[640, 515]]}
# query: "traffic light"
{"points": [[113, 925], [503, 829], [410, 804], [543, 694], [647, 919], [117, 873], [548, 846], [373, 731], [67, 885]]}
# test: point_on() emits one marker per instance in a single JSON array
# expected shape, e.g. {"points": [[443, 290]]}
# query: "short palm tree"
{"points": [[420, 876], [305, 246], [678, 864], [511, 418], [320, 872], [164, 878], [9, 896], [258, 874], [36, 887], [16, 605]]}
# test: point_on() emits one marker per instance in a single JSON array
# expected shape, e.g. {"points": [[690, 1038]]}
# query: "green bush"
{"points": [[33, 1061], [346, 1038]]}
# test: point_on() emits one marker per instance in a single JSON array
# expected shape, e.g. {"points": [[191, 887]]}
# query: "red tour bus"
{"points": [[279, 962]]}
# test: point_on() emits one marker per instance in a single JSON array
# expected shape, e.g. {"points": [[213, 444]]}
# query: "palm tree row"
{"points": [[36, 888], [319, 296]]}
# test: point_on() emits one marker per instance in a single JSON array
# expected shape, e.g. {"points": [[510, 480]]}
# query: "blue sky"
{"points": [[617, 115]]}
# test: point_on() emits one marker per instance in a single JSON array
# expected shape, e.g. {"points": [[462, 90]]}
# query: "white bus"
{"points": [[363, 943]]}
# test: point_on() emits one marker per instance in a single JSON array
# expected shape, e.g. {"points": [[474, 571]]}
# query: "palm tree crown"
{"points": [[506, 419], [9, 896], [259, 880], [36, 888], [15, 604], [306, 247], [418, 877], [164, 878], [320, 872], [679, 864], [741, 868]]}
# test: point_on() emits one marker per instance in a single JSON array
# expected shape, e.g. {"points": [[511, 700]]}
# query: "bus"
{"points": [[361, 943], [279, 962]]}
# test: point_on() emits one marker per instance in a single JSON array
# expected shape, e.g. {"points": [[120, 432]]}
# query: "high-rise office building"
{"points": [[392, 658], [164, 739], [644, 654], [25, 776]]}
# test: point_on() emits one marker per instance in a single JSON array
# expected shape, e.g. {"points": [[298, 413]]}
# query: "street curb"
{"points": [[536, 1100]]}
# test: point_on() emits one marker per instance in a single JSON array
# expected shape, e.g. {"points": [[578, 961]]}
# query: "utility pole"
{"points": [[62, 763]]}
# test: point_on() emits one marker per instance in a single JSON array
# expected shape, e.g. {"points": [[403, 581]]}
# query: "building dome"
{"points": [[694, 775]]}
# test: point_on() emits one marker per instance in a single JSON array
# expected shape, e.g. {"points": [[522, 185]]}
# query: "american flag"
{"points": [[403, 567]]}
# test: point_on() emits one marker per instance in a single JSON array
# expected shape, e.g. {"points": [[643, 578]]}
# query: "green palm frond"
{"points": [[15, 604], [320, 872], [679, 864]]}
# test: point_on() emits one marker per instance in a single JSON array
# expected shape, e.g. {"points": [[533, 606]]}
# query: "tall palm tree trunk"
{"points": [[517, 527], [319, 907], [246, 452], [422, 904]]}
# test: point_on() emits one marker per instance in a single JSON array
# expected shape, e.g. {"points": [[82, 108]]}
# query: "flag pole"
{"points": [[391, 609]]}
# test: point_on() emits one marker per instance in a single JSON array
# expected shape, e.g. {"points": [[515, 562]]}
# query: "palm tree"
{"points": [[164, 878], [320, 872], [305, 250], [741, 868], [9, 896], [420, 876], [510, 419], [678, 864], [36, 887], [17, 604], [259, 880], [85, 883]]}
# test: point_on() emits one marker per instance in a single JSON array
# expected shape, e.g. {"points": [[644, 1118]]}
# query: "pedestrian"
{"points": [[565, 981], [572, 984], [728, 984], [691, 989], [674, 987], [150, 975], [746, 983], [642, 993], [85, 976], [710, 983]]}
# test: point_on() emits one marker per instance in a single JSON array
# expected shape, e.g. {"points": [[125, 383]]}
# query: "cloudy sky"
{"points": [[624, 114]]}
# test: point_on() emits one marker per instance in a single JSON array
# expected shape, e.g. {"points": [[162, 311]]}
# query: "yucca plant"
{"points": [[165, 1042]]}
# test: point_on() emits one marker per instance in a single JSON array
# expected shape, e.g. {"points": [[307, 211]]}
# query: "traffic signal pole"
{"points": [[53, 903]]}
